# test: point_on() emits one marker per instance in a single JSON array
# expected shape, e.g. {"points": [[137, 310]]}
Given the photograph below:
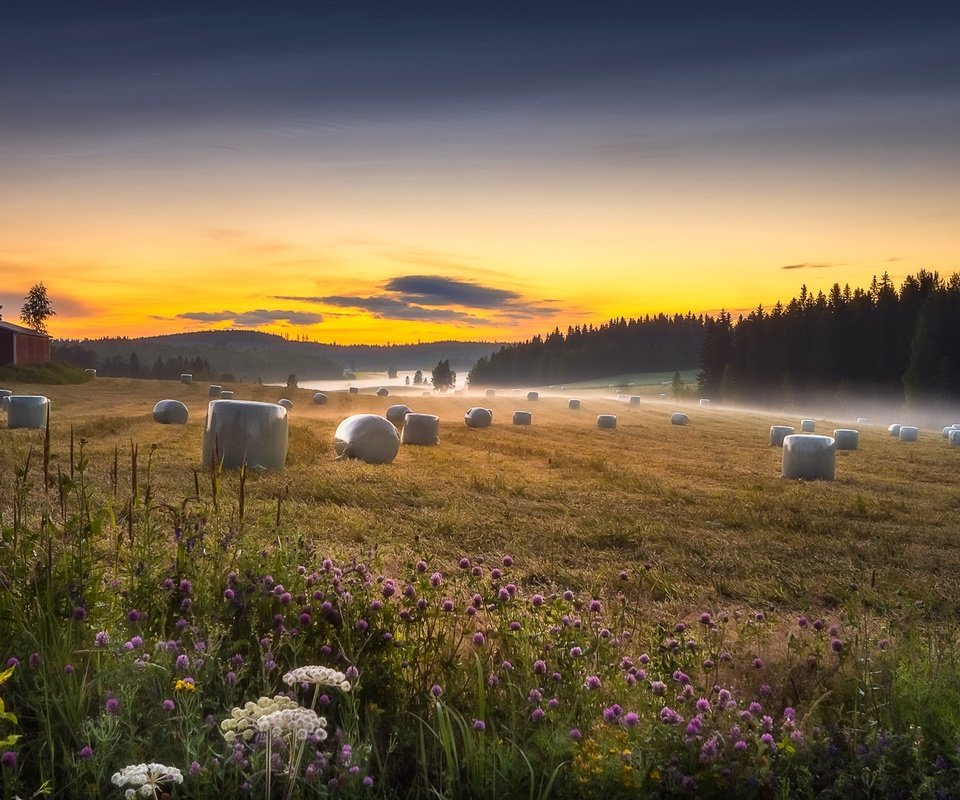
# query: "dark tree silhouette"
{"points": [[37, 308]]}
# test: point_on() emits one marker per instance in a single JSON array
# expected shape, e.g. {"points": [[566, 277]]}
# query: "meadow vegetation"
{"points": [[543, 611]]}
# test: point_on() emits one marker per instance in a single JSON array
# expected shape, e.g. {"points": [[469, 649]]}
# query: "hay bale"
{"points": [[634, 400], [421, 429], [320, 399], [946, 431], [607, 422], [354, 390], [894, 430], [383, 391], [397, 413], [5, 395], [170, 412], [226, 394], [458, 392], [807, 426], [531, 396], [847, 439], [573, 404], [663, 396], [813, 458], [367, 437], [778, 433], [861, 420], [6, 392], [241, 432], [287, 404], [704, 402], [186, 377], [679, 418], [91, 372], [27, 411], [478, 417], [490, 393], [954, 438], [909, 433], [215, 390], [522, 417]]}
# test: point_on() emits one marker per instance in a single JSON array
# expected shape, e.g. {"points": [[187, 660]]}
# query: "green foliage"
{"points": [[37, 308], [51, 373], [444, 378]]}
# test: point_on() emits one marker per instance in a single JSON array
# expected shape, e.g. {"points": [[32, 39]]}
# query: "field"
{"points": [[666, 523]]}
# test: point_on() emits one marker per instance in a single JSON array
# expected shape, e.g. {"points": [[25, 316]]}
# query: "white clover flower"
{"points": [[297, 722], [316, 674], [145, 779], [242, 722]]}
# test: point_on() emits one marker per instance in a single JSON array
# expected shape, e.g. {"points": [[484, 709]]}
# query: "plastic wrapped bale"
{"points": [[354, 390], [367, 437], [241, 432], [382, 391], [573, 404], [226, 394], [490, 393], [531, 396], [5, 395], [91, 372], [421, 429], [397, 413], [704, 402], [478, 417], [215, 390], [778, 433], [458, 392], [170, 412], [679, 418], [634, 400], [27, 411], [522, 417], [287, 404], [663, 396], [320, 399], [861, 420], [946, 431], [807, 426], [954, 438], [607, 422], [909, 433], [847, 439], [894, 430], [813, 458], [186, 377]]}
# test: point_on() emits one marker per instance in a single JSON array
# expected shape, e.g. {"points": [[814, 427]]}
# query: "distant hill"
{"points": [[252, 355]]}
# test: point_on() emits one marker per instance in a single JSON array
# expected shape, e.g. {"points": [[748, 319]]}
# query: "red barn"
{"points": [[19, 345]]}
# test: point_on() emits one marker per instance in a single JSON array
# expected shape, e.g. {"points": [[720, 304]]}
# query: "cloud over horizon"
{"points": [[806, 265], [253, 319]]}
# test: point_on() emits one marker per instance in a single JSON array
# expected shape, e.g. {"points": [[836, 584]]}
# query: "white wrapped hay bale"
{"points": [[778, 433], [679, 418], [522, 417], [813, 458], [320, 399], [458, 392], [170, 412], [573, 404], [490, 393], [634, 400], [186, 377], [91, 372], [245, 432], [27, 411], [226, 394], [909, 433], [367, 437], [397, 413], [382, 391], [663, 396], [954, 438], [946, 431], [533, 396], [354, 390], [5, 395], [478, 417], [894, 430], [607, 422], [704, 402], [847, 438], [807, 426], [421, 429], [215, 390], [861, 420], [287, 404]]}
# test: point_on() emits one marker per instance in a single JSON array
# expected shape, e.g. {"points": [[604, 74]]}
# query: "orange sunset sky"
{"points": [[369, 176]]}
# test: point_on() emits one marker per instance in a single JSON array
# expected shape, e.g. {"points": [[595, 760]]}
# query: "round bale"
{"points": [[287, 404], [634, 400], [847, 439], [679, 418], [807, 426], [954, 438], [354, 390], [663, 396], [894, 430], [778, 433], [383, 391], [5, 398], [215, 390], [531, 396], [573, 404], [861, 420], [186, 377], [91, 372], [704, 402], [170, 412], [490, 393], [245, 432], [27, 411], [522, 417], [607, 421], [909, 433], [813, 458], [478, 417], [946, 431], [367, 437], [320, 399], [226, 394], [421, 429], [397, 413]]}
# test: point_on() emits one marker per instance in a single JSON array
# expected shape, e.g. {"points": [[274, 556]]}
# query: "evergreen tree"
{"points": [[444, 378]]}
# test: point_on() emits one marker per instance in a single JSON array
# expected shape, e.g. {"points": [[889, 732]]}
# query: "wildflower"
{"points": [[537, 714], [507, 561], [367, 782], [568, 596], [436, 690], [241, 725], [86, 753], [168, 705], [592, 682], [515, 626], [146, 779], [464, 563], [13, 661], [836, 645], [539, 666], [659, 688], [681, 677], [575, 652], [818, 625], [537, 600], [767, 739], [8, 759], [317, 675], [298, 723], [757, 663], [703, 705], [79, 613], [68, 669], [479, 725], [34, 660], [802, 621], [595, 606], [622, 575], [112, 706], [495, 574], [133, 616], [421, 566], [612, 713], [479, 639], [447, 605], [575, 734], [694, 726], [188, 685], [182, 663], [230, 679], [740, 745], [631, 719], [669, 716]]}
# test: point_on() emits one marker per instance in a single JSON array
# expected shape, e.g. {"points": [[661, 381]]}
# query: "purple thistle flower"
{"points": [[168, 705], [479, 724], [575, 652], [436, 579], [592, 682], [102, 639], [86, 753], [836, 645], [595, 606], [133, 615], [537, 714], [112, 706], [436, 690], [575, 734], [631, 719], [507, 561], [79, 613], [34, 660], [568, 596], [464, 563], [479, 639], [659, 688], [537, 600], [540, 666], [421, 566], [8, 759], [740, 745]]}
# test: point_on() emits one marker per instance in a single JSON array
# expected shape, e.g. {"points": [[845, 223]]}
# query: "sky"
{"points": [[359, 172]]}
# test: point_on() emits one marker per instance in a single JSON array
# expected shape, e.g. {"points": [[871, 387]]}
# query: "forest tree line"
{"points": [[131, 366]]}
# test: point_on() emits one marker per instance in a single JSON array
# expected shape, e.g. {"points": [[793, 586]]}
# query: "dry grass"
{"points": [[698, 515]]}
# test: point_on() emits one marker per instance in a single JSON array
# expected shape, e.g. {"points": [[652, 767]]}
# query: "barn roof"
{"points": [[9, 326]]}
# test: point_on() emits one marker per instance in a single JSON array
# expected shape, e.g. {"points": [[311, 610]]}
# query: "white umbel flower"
{"points": [[145, 779], [298, 722], [316, 674], [242, 722]]}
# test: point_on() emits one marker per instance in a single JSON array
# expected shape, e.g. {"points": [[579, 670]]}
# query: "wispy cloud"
{"points": [[253, 319], [383, 307], [807, 265], [433, 290]]}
